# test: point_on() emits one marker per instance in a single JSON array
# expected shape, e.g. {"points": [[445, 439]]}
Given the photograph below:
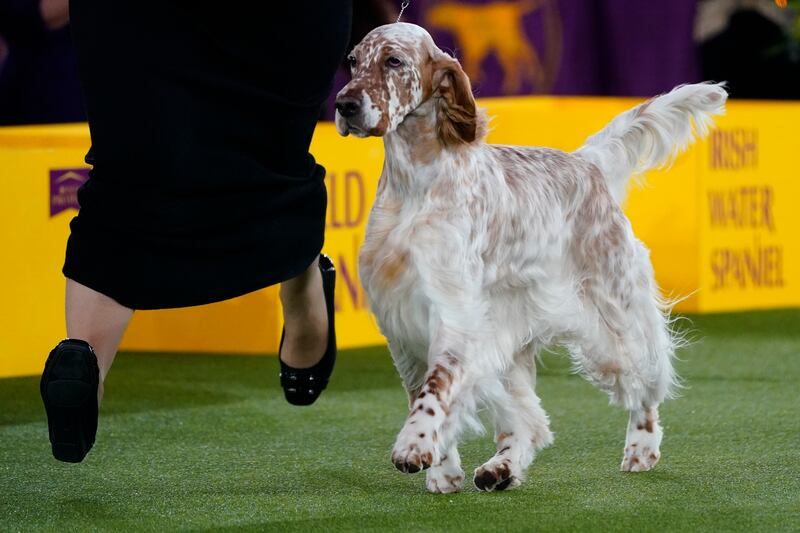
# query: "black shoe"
{"points": [[302, 386], [69, 392]]}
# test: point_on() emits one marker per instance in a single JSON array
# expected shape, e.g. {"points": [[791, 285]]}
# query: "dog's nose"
{"points": [[347, 106]]}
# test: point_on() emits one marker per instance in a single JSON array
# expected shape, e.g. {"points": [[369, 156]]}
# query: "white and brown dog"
{"points": [[477, 256]]}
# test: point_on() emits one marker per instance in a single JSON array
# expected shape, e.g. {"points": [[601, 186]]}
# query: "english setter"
{"points": [[477, 256]]}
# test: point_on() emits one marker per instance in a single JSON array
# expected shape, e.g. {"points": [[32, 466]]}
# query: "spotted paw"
{"points": [[444, 479], [495, 476], [410, 455], [641, 451], [639, 459]]}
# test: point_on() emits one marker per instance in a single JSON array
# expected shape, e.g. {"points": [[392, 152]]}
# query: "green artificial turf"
{"points": [[207, 442]]}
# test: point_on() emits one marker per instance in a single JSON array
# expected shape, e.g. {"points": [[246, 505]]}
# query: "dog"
{"points": [[478, 256]]}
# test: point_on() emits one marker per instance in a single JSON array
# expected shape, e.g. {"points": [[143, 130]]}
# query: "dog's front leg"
{"points": [[447, 476], [418, 444], [410, 364]]}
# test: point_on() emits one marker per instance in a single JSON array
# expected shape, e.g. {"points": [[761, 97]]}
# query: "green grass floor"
{"points": [[207, 442]]}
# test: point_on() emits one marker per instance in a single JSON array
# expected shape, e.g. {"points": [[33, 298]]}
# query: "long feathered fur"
{"points": [[478, 256], [651, 134]]}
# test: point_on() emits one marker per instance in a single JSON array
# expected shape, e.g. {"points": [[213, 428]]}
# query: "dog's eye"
{"points": [[351, 60], [393, 62]]}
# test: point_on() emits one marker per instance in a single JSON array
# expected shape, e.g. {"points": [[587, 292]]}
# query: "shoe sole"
{"points": [[69, 392]]}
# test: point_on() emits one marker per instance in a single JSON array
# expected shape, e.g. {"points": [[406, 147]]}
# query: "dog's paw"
{"points": [[641, 450], [495, 475], [444, 478], [414, 452]]}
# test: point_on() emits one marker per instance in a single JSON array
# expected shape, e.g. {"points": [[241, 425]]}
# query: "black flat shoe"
{"points": [[69, 392], [302, 386]]}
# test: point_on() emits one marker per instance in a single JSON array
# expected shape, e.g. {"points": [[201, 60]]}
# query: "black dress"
{"points": [[201, 115]]}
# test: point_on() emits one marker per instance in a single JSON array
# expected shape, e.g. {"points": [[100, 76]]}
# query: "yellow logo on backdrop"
{"points": [[734, 149], [746, 220], [351, 184], [346, 218], [742, 207], [497, 27], [347, 204], [751, 266]]}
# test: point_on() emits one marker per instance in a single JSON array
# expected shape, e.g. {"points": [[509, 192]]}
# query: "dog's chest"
{"points": [[390, 273]]}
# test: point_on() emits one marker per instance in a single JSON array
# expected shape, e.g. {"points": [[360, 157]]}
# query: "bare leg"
{"points": [[98, 320], [305, 319]]}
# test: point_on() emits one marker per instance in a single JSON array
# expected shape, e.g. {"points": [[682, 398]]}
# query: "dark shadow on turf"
{"points": [[20, 402], [83, 508], [145, 382]]}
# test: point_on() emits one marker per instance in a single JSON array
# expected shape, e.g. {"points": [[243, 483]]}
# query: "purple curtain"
{"points": [[571, 47], [607, 47]]}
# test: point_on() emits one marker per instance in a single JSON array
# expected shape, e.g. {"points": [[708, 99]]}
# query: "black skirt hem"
{"points": [[130, 301]]}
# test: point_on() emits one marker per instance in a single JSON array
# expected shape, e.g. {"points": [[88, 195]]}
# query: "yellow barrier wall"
{"points": [[750, 224], [720, 225]]}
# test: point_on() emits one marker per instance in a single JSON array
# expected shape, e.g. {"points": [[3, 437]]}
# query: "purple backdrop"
{"points": [[570, 47]]}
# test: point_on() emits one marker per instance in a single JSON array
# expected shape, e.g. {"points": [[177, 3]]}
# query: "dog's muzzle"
{"points": [[347, 106], [349, 116]]}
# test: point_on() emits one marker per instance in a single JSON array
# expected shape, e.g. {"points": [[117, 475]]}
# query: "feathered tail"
{"points": [[651, 134]]}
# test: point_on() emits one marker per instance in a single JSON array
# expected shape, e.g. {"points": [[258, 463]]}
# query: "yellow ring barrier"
{"points": [[721, 224]]}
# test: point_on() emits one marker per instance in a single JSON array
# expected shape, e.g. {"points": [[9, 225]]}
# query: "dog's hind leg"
{"points": [[642, 441], [628, 353], [521, 428], [656, 347], [638, 383]]}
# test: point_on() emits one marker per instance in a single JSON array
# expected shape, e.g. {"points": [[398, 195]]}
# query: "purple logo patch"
{"points": [[64, 185]]}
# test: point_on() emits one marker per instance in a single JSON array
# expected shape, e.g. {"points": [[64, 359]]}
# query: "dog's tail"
{"points": [[651, 134]]}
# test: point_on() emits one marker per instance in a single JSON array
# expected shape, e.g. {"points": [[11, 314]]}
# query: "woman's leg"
{"points": [[70, 374], [101, 321], [98, 320], [305, 318]]}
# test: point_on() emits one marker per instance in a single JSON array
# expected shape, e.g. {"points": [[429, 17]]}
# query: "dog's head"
{"points": [[396, 69]]}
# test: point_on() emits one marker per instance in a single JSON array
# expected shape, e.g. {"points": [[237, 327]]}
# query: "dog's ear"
{"points": [[455, 106]]}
